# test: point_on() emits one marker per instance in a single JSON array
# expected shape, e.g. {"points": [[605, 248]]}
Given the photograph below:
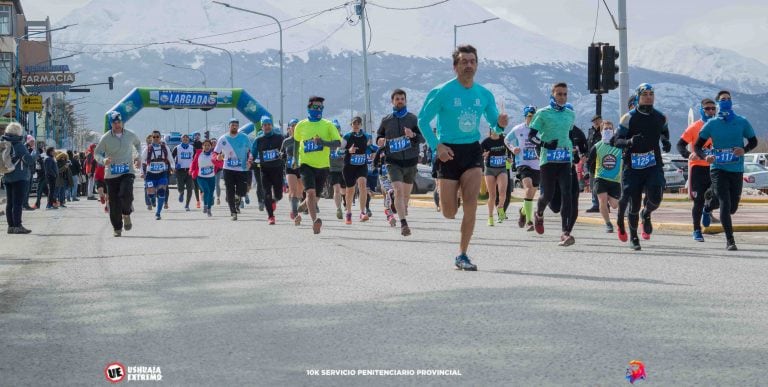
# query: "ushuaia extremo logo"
{"points": [[116, 372]]}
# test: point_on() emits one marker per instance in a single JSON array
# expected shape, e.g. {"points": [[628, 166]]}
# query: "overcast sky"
{"points": [[739, 25]]}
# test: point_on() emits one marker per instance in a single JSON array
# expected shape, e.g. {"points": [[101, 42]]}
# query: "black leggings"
{"points": [[727, 187], [635, 182], [237, 184], [557, 200], [184, 182], [272, 182], [553, 176], [700, 183]]}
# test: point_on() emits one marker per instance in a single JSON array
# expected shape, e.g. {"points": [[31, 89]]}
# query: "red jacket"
{"points": [[194, 170]]}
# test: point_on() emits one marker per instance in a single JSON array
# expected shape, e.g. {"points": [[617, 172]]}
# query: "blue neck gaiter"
{"points": [[554, 104], [726, 109], [400, 113], [314, 115]]}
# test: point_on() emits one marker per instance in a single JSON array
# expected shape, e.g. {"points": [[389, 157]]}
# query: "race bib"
{"points": [[724, 156], [290, 162], [559, 155], [357, 160], [643, 160], [149, 184], [186, 155], [529, 154], [399, 144], [270, 155], [233, 163], [119, 169], [310, 146], [497, 161], [157, 166], [206, 170]]}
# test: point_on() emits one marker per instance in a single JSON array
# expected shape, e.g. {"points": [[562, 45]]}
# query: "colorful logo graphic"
{"points": [[636, 371]]}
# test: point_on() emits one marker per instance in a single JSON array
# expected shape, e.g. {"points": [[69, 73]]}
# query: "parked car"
{"points": [[674, 177], [757, 158], [423, 182], [755, 176]]}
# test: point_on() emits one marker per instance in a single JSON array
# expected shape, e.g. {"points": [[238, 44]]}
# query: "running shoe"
{"points": [[297, 220], [502, 214], [490, 221], [303, 207], [706, 218], [106, 209], [166, 205], [647, 225], [247, 199], [567, 240], [187, 209], [261, 206], [292, 215], [367, 212], [635, 244], [405, 230], [271, 220], [149, 207], [101, 199], [462, 262], [622, 234], [348, 219], [117, 233], [364, 217], [218, 201], [521, 219], [538, 223], [339, 214], [198, 204], [529, 226], [274, 207], [157, 217], [609, 228], [127, 222], [234, 216], [316, 225], [697, 236], [181, 197], [731, 245], [392, 221]]}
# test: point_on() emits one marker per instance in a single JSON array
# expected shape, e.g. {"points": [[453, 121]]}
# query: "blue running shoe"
{"points": [[706, 218], [697, 236], [462, 263], [247, 199]]}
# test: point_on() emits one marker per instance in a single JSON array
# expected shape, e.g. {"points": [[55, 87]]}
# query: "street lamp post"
{"points": [[456, 27], [17, 81], [280, 27], [204, 83], [231, 71]]}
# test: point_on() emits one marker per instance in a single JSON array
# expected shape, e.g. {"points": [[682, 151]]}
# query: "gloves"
{"points": [[636, 139], [666, 146], [550, 144]]}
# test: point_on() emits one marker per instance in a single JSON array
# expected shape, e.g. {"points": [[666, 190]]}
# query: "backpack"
{"points": [[7, 165]]}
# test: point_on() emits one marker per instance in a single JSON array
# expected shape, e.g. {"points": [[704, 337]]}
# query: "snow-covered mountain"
{"points": [[426, 32], [723, 67]]}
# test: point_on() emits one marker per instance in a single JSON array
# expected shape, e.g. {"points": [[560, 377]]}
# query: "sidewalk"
{"points": [[674, 213]]}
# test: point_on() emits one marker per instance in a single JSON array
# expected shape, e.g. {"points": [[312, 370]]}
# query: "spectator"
{"points": [[16, 182], [64, 179], [74, 167], [51, 173]]}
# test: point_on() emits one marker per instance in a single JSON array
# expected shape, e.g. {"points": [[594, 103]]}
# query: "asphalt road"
{"points": [[216, 302]]}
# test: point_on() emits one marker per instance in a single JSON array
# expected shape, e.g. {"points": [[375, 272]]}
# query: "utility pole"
{"points": [[624, 59], [367, 83]]}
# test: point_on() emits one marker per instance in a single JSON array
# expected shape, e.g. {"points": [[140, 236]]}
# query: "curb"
{"points": [[713, 229], [756, 200]]}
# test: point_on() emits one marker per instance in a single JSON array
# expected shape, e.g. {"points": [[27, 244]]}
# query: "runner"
{"points": [[593, 138], [399, 136], [216, 184], [266, 148], [555, 122], [639, 134], [698, 169], [495, 154], [527, 162], [203, 170], [313, 138], [624, 200], [156, 171], [580, 150], [292, 174], [233, 149], [116, 152], [355, 145], [458, 105], [372, 176], [387, 189], [336, 175], [605, 167], [150, 203], [183, 154], [727, 133]]}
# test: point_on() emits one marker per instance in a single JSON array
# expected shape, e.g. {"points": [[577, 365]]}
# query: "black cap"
{"points": [[595, 118]]}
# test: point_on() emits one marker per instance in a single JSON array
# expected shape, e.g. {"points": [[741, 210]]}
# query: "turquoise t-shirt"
{"points": [[727, 135], [552, 124], [458, 110], [608, 163]]}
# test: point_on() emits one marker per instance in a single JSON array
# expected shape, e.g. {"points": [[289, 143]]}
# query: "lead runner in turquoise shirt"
{"points": [[458, 105]]}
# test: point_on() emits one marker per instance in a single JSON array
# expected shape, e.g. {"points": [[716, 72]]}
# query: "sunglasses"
{"points": [[316, 107], [710, 109]]}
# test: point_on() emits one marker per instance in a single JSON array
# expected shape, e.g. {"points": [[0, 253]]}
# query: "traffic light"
{"points": [[608, 68], [111, 82], [593, 68]]}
